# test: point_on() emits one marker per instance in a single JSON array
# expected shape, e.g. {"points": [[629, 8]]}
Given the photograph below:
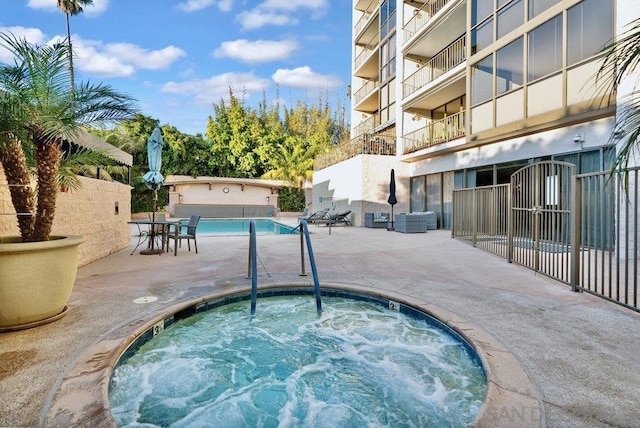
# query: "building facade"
{"points": [[462, 93]]}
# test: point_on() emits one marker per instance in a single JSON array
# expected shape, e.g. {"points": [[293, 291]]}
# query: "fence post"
{"points": [[576, 235], [474, 221], [509, 224]]}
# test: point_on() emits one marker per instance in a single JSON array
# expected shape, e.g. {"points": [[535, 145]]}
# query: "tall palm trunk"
{"points": [[69, 55], [48, 156], [17, 173]]}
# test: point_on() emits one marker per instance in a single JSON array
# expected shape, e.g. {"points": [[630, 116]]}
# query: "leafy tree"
{"points": [[232, 135], [70, 8], [38, 112], [185, 154]]}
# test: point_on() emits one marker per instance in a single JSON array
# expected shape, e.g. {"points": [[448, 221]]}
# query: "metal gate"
{"points": [[542, 220]]}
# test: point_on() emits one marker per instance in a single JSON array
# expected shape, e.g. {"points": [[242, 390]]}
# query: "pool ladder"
{"points": [[253, 265]]}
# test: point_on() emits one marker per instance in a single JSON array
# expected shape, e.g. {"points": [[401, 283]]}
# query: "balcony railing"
{"points": [[436, 132], [366, 89], [367, 50], [362, 22], [367, 126], [422, 16], [450, 57], [366, 144]]}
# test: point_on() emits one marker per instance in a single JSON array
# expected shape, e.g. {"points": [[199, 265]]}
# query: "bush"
{"points": [[291, 199]]}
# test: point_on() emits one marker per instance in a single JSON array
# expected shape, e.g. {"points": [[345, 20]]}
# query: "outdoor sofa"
{"points": [[376, 220], [417, 222]]}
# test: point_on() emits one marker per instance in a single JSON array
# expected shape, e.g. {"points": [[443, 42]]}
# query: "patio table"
{"points": [[150, 234]]}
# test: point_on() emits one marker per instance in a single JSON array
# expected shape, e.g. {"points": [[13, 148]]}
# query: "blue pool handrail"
{"points": [[304, 231], [253, 270]]}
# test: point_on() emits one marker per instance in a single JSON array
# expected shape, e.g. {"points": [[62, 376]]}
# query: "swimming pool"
{"points": [[358, 364], [240, 226]]}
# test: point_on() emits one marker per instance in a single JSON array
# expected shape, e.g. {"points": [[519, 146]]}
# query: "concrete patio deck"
{"points": [[562, 358]]}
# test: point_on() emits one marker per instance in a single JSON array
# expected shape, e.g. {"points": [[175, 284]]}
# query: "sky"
{"points": [[179, 57]]}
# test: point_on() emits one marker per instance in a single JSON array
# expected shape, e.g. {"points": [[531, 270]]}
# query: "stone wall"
{"points": [[99, 211]]}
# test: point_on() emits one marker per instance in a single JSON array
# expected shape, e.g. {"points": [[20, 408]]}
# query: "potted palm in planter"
{"points": [[39, 112]]}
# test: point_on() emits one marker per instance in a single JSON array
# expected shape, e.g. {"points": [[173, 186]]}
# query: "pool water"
{"points": [[357, 364], [241, 227]]}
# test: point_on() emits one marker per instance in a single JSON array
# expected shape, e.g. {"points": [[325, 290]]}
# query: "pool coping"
{"points": [[81, 396]]}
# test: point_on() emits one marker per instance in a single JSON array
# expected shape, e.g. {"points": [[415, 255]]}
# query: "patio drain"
{"points": [[145, 299]]}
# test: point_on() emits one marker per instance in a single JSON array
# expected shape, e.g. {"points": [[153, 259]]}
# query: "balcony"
{"points": [[366, 60], [366, 98], [367, 13], [383, 144], [452, 56], [436, 132], [422, 16], [368, 125]]}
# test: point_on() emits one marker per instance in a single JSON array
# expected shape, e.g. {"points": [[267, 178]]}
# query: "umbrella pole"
{"points": [[152, 232], [391, 228]]}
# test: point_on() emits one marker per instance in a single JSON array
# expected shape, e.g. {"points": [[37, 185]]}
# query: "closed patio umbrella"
{"points": [[392, 196], [153, 178]]}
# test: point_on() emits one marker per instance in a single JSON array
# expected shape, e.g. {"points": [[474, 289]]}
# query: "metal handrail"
{"points": [[304, 232], [253, 263]]}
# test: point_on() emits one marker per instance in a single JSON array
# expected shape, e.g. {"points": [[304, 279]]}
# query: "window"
{"points": [[482, 80], [510, 18], [509, 67], [480, 9], [388, 58], [589, 28], [387, 17], [482, 36], [536, 7], [545, 49]]}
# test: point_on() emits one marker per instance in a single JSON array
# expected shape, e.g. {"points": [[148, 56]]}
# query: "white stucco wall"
{"points": [[361, 184]]}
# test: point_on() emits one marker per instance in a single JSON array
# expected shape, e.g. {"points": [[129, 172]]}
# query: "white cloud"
{"points": [[144, 58], [194, 5], [259, 51], [304, 77], [120, 59], [211, 91], [32, 35], [254, 19], [91, 11], [318, 7], [225, 5]]}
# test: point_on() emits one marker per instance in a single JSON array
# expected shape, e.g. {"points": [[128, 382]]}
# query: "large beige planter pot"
{"points": [[36, 279]]}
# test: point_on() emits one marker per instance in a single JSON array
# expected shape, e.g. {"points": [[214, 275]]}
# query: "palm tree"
{"points": [[291, 162], [621, 63], [37, 113], [70, 8]]}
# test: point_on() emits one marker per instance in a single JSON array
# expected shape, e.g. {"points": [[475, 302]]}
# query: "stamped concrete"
{"points": [[553, 357]]}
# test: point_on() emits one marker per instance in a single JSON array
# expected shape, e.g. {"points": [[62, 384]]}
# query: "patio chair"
{"points": [[335, 219], [343, 218], [313, 218], [317, 216], [190, 234]]}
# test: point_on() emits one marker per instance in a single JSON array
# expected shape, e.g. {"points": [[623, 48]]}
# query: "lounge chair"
{"points": [[313, 218], [335, 219], [190, 234], [343, 218]]}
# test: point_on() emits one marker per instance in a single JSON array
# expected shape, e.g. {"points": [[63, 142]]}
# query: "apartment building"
{"points": [[462, 93]]}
